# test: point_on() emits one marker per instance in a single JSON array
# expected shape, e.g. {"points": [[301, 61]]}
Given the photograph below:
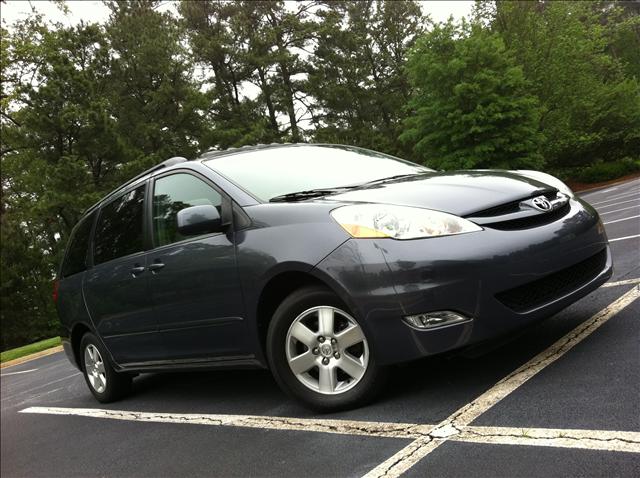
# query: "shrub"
{"points": [[604, 171]]}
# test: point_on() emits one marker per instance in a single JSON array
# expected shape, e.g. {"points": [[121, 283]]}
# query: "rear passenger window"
{"points": [[75, 259], [119, 227], [174, 193]]}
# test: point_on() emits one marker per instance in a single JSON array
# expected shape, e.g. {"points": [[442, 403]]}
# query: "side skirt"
{"points": [[239, 362]]}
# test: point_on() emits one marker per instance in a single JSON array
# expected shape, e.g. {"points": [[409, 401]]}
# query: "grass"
{"points": [[29, 349]]}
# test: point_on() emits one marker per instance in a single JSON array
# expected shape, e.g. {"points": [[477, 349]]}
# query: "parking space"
{"points": [[560, 400]]}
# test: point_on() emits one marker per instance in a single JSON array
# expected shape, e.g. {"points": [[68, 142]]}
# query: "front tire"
{"points": [[319, 353], [103, 381]]}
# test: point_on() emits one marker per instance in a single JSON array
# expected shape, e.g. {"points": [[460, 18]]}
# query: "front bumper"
{"points": [[383, 280]]}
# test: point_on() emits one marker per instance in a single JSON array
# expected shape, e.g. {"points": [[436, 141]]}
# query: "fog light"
{"points": [[431, 320]]}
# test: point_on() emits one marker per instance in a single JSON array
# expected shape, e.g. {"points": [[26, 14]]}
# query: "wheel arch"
{"points": [[281, 286], [77, 332]]}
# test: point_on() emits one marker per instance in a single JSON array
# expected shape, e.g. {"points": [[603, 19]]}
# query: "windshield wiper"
{"points": [[311, 193], [390, 178]]}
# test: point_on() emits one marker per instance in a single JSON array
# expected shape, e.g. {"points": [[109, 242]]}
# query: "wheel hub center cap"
{"points": [[326, 350]]}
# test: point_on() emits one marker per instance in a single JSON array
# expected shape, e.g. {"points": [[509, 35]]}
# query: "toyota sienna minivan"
{"points": [[324, 263]]}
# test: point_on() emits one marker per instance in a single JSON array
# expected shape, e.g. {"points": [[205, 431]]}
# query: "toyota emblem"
{"points": [[541, 203]]}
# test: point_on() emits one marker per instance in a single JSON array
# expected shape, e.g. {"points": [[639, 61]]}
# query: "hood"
{"points": [[458, 192]]}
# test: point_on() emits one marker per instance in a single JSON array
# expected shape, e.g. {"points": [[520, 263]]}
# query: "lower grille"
{"points": [[545, 290]]}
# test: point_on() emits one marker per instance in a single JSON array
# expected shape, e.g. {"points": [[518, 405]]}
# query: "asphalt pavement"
{"points": [[567, 403]]}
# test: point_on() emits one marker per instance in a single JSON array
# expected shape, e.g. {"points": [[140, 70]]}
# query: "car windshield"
{"points": [[273, 172]]}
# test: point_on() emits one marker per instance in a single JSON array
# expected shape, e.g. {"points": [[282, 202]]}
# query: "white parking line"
{"points": [[426, 438], [585, 439], [619, 196], [618, 210], [600, 192], [617, 185], [620, 220], [629, 190], [623, 194], [623, 238], [622, 282], [16, 373], [343, 427], [5, 399], [453, 425], [616, 203]]}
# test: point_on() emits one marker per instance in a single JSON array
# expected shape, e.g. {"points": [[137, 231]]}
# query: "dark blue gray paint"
{"points": [[200, 309]]}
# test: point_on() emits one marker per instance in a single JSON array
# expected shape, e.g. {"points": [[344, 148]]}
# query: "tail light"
{"points": [[55, 291]]}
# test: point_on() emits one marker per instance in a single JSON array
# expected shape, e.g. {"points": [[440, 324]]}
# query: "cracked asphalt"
{"points": [[589, 395]]}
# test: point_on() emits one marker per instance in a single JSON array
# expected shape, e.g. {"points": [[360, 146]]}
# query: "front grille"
{"points": [[530, 221], [542, 291], [513, 206]]}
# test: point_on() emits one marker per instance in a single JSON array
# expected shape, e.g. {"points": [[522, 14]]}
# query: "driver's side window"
{"points": [[172, 194]]}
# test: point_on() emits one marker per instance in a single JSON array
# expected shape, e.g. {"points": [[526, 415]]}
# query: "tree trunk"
{"points": [[291, 111], [266, 91]]}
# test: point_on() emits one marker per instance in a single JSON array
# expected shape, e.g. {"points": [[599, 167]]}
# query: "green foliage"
{"points": [[604, 171], [83, 108], [471, 107], [357, 74], [253, 46], [590, 107]]}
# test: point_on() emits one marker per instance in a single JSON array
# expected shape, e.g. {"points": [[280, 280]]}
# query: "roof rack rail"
{"points": [[164, 164], [213, 152]]}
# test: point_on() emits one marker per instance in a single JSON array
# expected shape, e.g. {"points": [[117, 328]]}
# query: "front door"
{"points": [[116, 288], [194, 280]]}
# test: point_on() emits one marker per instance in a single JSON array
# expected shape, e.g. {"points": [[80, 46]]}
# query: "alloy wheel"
{"points": [[327, 350], [94, 368]]}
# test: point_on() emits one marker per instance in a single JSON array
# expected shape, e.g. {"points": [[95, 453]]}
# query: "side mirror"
{"points": [[196, 220]]}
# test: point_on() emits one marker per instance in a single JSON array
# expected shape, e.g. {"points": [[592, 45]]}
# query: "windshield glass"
{"points": [[272, 172]]}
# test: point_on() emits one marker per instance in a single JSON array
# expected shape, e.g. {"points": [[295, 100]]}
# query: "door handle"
{"points": [[137, 270], [156, 266]]}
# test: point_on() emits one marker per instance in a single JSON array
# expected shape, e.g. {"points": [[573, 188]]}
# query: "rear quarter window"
{"points": [[75, 259]]}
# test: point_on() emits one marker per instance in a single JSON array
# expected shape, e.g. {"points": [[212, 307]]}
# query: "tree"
{"points": [[248, 46], [83, 108], [358, 76], [53, 130], [217, 46], [157, 104], [471, 106], [590, 110]]}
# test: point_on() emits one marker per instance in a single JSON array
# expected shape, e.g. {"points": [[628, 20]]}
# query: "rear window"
{"points": [[76, 257], [119, 228]]}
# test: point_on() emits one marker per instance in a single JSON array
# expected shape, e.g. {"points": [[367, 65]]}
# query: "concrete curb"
{"points": [[28, 358]]}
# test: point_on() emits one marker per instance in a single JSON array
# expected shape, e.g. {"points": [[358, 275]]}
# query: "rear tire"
{"points": [[103, 381], [319, 353]]}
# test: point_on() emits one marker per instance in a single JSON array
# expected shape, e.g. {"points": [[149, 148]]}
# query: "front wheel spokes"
{"points": [[302, 363], [326, 321], [351, 366], [350, 337], [327, 379], [327, 362]]}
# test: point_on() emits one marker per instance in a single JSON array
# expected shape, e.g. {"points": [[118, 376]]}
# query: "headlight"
{"points": [[399, 222], [547, 179]]}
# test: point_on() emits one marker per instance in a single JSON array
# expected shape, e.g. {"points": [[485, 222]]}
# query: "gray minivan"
{"points": [[324, 263]]}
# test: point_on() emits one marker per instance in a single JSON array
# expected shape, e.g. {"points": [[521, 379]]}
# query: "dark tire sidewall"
{"points": [[117, 384]]}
